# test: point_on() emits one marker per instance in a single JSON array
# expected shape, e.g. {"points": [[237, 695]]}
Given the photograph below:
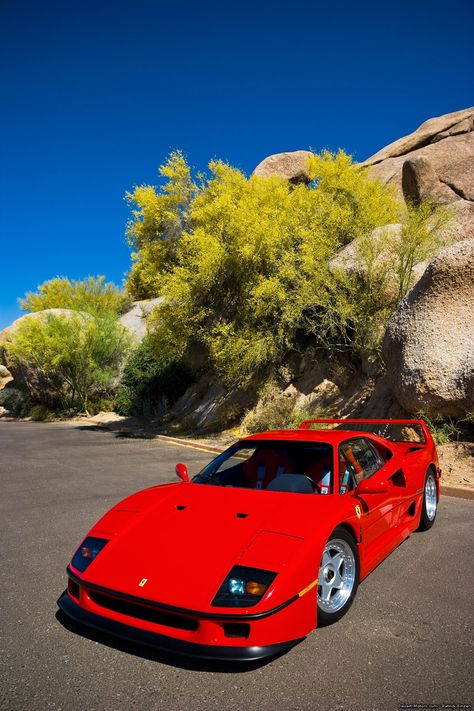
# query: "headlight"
{"points": [[87, 551], [243, 587]]}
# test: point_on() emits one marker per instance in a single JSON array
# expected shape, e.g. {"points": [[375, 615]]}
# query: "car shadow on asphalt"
{"points": [[167, 658], [118, 433]]}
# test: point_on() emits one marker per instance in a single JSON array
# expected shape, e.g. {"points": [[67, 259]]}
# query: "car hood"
{"points": [[187, 537]]}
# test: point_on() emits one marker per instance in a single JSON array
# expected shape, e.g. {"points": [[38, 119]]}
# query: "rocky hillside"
{"points": [[429, 343], [428, 346], [436, 161]]}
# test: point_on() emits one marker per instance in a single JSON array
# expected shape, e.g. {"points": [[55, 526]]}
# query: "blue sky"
{"points": [[96, 94]]}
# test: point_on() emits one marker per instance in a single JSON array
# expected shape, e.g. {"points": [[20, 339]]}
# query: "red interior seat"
{"points": [[317, 471], [264, 465]]}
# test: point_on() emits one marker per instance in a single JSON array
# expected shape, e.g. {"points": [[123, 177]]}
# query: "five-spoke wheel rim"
{"points": [[336, 575], [430, 497]]}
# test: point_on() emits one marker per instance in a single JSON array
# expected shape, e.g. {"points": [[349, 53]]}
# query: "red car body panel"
{"points": [[170, 548]]}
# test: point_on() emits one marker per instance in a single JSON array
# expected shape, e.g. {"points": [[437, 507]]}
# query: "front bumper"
{"points": [[165, 643]]}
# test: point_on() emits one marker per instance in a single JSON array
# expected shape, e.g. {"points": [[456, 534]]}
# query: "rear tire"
{"points": [[338, 577], [429, 505]]}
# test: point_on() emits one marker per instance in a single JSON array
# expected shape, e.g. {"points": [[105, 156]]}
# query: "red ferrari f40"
{"points": [[267, 542]]}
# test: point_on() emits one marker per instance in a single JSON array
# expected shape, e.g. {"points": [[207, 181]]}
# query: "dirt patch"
{"points": [[457, 464], [106, 418]]}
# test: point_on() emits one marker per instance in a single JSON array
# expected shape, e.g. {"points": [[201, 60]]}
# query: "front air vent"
{"points": [[241, 515], [399, 479], [236, 629], [142, 612], [73, 588], [180, 507]]}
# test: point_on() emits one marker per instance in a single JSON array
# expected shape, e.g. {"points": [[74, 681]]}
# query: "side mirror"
{"points": [[372, 486], [182, 472]]}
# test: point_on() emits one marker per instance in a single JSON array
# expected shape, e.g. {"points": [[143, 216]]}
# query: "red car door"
{"points": [[377, 510]]}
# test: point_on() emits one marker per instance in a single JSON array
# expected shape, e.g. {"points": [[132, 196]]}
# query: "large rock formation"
{"points": [[436, 161], [135, 319], [431, 131], [293, 166], [350, 258], [420, 181], [451, 161], [207, 406], [429, 343]]}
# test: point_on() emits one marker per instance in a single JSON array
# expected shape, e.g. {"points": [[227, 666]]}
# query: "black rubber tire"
{"points": [[325, 618], [425, 522]]}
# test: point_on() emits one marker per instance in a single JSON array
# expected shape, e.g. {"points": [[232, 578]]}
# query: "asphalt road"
{"points": [[406, 639]]}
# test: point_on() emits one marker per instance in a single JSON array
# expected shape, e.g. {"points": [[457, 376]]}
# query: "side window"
{"points": [[358, 460]]}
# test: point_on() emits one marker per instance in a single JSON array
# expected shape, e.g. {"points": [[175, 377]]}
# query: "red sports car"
{"points": [[267, 542]]}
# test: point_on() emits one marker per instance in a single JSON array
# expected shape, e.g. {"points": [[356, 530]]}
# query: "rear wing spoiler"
{"points": [[415, 431]]}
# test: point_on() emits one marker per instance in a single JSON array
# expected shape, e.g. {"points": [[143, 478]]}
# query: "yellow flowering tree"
{"points": [[243, 263], [92, 295]]}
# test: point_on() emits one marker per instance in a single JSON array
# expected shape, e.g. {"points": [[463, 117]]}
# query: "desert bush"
{"points": [[280, 413], [41, 413], [361, 304], [15, 401], [276, 410], [92, 295], [148, 385], [421, 238], [443, 429], [159, 218], [243, 263], [77, 357], [272, 414]]}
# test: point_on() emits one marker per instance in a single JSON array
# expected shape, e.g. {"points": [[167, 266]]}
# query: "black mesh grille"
{"points": [[142, 612]]}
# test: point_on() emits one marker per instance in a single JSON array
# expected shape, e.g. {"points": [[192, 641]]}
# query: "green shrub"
{"points": [[76, 358], [421, 238], [243, 264], [92, 295], [41, 413], [277, 411], [15, 401], [149, 385], [274, 414], [443, 429], [361, 304], [102, 404]]}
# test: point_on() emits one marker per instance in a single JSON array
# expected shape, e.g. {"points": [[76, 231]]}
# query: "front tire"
{"points": [[429, 505], [338, 577]]}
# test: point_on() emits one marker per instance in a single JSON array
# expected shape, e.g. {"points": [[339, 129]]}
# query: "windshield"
{"points": [[295, 467]]}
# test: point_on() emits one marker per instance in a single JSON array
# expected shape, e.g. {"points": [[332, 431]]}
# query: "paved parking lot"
{"points": [[406, 639]]}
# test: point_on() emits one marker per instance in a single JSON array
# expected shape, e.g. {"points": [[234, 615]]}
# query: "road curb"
{"points": [[190, 443], [458, 491]]}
